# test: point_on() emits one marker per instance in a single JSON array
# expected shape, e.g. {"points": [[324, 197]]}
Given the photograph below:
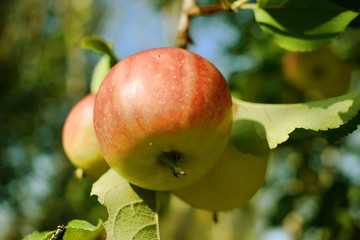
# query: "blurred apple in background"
{"points": [[319, 74], [232, 183], [79, 140]]}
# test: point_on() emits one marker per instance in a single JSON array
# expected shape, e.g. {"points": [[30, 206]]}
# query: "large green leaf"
{"points": [[259, 127], [80, 229], [302, 25], [132, 210], [76, 229], [353, 5]]}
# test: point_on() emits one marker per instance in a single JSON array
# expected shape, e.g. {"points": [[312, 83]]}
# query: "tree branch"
{"points": [[182, 38], [206, 10], [190, 9]]}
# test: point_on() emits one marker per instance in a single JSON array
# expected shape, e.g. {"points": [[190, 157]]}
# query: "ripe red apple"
{"points": [[232, 183], [163, 117], [79, 140], [320, 73]]}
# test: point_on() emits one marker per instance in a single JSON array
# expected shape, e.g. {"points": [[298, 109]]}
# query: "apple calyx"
{"points": [[79, 173], [170, 160]]}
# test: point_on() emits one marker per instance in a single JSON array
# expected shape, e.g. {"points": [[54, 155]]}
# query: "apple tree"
{"points": [[270, 135]]}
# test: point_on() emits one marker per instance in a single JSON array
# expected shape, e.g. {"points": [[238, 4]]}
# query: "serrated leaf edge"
{"points": [[285, 136]]}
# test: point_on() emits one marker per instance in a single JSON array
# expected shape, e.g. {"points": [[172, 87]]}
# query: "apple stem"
{"points": [[170, 161], [215, 217], [79, 173]]}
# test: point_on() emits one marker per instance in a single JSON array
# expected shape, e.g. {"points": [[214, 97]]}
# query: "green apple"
{"points": [[232, 183], [79, 140], [320, 73], [163, 117]]}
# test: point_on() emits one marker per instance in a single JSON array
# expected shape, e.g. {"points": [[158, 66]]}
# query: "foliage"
{"points": [[312, 186], [76, 229], [132, 210], [103, 66], [274, 122], [302, 25], [40, 82]]}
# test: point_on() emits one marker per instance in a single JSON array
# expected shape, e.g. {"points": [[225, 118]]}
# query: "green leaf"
{"points": [[39, 236], [132, 210], [80, 229], [101, 69], [98, 45], [302, 25], [250, 137], [352, 5], [76, 229], [270, 124]]}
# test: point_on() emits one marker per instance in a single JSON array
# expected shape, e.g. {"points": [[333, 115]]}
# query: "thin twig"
{"points": [[182, 38], [206, 10], [190, 9]]}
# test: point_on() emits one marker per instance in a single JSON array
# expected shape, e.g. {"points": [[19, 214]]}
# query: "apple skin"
{"points": [[320, 73], [232, 183], [164, 101], [79, 140]]}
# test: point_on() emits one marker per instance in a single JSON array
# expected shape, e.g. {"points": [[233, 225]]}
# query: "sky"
{"points": [[133, 26]]}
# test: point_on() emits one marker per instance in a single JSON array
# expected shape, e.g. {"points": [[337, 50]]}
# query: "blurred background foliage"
{"points": [[43, 73], [312, 189]]}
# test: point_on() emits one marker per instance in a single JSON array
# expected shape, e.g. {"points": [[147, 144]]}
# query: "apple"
{"points": [[320, 73], [79, 140], [232, 183], [163, 117]]}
